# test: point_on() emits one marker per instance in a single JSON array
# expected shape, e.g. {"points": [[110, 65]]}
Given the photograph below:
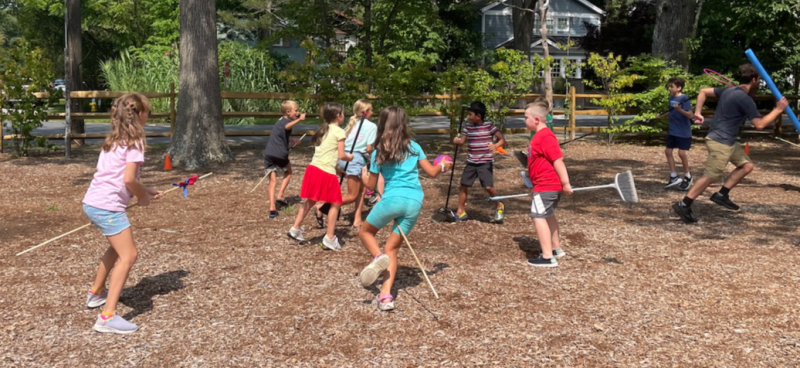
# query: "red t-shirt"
{"points": [[542, 152]]}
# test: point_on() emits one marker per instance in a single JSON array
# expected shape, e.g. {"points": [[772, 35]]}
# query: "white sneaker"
{"points": [[673, 181], [296, 234], [370, 273], [115, 324], [385, 306], [332, 244], [558, 253], [96, 300]]}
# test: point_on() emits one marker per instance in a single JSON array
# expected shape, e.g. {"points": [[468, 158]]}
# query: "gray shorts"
{"points": [[544, 204], [278, 165]]}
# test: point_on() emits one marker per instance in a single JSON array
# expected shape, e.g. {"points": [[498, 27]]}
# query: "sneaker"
{"points": [[282, 202], [673, 181], [373, 200], [296, 234], [273, 214], [724, 201], [96, 300], [498, 215], [684, 211], [542, 262], [558, 253], [383, 305], [332, 244], [686, 183], [462, 217], [115, 324], [370, 273]]}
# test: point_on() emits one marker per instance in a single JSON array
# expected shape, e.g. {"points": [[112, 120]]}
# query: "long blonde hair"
{"points": [[330, 113], [358, 109], [125, 130], [394, 137]]}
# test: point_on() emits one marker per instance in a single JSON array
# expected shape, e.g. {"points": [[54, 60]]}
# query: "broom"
{"points": [[445, 214], [623, 183]]}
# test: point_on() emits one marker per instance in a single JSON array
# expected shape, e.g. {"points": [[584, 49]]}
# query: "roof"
{"points": [[552, 40], [486, 5]]}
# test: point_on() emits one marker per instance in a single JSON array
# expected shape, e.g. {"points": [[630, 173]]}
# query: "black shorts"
{"points": [[275, 164], [483, 171], [683, 144]]}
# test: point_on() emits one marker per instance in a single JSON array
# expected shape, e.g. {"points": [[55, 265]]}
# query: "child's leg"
{"points": [[545, 237], [124, 247], [359, 204], [332, 215], [552, 223], [462, 199], [287, 175], [303, 212], [392, 247], [106, 264], [367, 235], [272, 183], [670, 160], [493, 193], [684, 155], [353, 189]]}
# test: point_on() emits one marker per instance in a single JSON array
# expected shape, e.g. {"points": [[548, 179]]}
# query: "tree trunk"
{"points": [[522, 16], [387, 26], [368, 32], [199, 131], [548, 78], [74, 54], [675, 21]]}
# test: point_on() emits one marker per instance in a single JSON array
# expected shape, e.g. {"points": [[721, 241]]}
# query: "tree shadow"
{"points": [[529, 245], [140, 297]]}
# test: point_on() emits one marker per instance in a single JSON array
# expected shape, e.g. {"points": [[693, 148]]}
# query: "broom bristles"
{"points": [[627, 187]]}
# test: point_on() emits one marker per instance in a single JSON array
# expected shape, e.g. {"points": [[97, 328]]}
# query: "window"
{"points": [[278, 43], [549, 24], [563, 25]]}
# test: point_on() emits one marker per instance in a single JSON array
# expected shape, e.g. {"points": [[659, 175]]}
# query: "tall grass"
{"points": [[142, 72]]}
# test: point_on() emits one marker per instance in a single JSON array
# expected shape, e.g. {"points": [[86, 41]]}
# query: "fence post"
{"points": [[572, 104], [171, 110]]}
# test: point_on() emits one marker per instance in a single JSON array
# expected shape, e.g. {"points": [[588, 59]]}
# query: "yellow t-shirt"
{"points": [[326, 155]]}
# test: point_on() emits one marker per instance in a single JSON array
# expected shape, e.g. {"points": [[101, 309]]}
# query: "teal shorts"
{"points": [[403, 211], [109, 222]]}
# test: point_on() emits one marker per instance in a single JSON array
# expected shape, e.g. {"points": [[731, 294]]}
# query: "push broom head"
{"points": [[626, 187], [444, 215]]}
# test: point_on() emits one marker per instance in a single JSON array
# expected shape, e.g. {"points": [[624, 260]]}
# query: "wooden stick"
{"points": [[89, 224], [267, 174], [418, 262], [783, 140]]}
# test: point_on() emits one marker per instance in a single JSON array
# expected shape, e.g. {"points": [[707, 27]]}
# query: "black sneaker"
{"points": [[686, 183], [273, 214], [724, 201], [673, 181], [684, 211], [543, 262]]}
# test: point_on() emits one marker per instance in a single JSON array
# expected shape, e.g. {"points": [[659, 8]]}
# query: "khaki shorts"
{"points": [[719, 155]]}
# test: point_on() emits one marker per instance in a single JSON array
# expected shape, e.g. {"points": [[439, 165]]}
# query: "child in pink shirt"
{"points": [[114, 184]]}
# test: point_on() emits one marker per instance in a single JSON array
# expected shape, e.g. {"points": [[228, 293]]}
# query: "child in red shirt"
{"points": [[549, 177]]}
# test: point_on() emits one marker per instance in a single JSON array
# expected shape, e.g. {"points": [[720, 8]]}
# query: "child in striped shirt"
{"points": [[480, 135]]}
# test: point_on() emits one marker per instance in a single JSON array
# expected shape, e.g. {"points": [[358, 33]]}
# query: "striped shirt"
{"points": [[479, 138]]}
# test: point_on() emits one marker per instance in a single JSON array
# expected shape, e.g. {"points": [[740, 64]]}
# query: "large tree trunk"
{"points": [[548, 78], [675, 22], [522, 16], [73, 72], [199, 131]]}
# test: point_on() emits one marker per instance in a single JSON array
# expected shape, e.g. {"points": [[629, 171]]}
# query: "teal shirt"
{"points": [[402, 179]]}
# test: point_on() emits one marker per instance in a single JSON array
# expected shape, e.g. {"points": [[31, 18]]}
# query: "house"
{"points": [[344, 28], [565, 21]]}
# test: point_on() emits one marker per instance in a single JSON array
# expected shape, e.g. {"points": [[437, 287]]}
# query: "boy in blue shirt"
{"points": [[680, 133]]}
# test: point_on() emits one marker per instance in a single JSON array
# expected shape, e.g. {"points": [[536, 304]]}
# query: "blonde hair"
{"points": [[539, 107], [125, 130], [394, 137], [330, 113], [358, 109], [288, 105]]}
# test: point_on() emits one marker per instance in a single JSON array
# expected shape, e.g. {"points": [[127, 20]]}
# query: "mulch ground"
{"points": [[218, 284]]}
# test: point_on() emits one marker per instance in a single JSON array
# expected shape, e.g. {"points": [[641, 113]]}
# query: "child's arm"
{"points": [[342, 155], [370, 181], [701, 101], [291, 124], [683, 112], [134, 186], [500, 141], [434, 171], [563, 176], [460, 139]]}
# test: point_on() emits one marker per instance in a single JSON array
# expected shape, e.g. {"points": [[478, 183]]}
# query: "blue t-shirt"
{"points": [[402, 179], [680, 125]]}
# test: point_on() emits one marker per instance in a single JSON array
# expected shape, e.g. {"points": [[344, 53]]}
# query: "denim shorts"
{"points": [[109, 222], [403, 211], [355, 166]]}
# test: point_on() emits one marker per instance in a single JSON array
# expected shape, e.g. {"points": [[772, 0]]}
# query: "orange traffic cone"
{"points": [[167, 164], [747, 148]]}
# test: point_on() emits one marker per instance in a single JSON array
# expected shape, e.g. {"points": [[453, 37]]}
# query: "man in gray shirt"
{"points": [[735, 105]]}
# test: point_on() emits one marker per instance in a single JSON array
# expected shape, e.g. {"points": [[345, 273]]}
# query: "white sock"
{"points": [[673, 175], [688, 175]]}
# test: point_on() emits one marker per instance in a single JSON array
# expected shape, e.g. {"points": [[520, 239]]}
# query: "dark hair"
{"points": [[747, 73], [330, 112], [478, 108], [393, 139], [678, 82]]}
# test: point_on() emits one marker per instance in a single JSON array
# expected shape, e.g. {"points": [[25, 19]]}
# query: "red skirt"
{"points": [[320, 186]]}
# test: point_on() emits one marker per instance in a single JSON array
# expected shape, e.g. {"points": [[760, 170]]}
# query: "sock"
{"points": [[107, 315], [724, 191], [673, 175], [687, 175], [97, 292], [688, 201]]}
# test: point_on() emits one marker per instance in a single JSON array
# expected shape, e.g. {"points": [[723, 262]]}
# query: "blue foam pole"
{"points": [[771, 85]]}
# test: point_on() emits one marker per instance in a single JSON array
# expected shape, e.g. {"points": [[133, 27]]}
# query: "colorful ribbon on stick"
{"points": [[185, 184]]}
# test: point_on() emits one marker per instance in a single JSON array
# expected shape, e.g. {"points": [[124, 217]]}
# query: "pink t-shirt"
{"points": [[107, 190]]}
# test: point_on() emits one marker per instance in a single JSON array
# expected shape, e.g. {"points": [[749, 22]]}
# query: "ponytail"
{"points": [[359, 108]]}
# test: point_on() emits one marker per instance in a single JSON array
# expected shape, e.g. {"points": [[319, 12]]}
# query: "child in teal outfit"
{"points": [[396, 158]]}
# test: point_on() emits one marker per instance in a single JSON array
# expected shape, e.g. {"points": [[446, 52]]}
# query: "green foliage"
{"points": [[27, 70], [613, 80], [252, 70], [143, 71]]}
